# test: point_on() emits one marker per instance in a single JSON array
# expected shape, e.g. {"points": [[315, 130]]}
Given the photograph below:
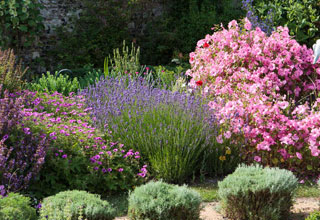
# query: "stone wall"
{"points": [[60, 13]]}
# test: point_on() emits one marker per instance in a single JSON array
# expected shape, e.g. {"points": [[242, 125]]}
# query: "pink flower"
{"points": [[219, 139], [299, 155], [257, 159], [247, 24]]}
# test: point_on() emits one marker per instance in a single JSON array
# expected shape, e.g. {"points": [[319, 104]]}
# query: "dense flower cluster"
{"points": [[22, 153], [66, 122], [172, 130], [109, 97], [270, 85]]}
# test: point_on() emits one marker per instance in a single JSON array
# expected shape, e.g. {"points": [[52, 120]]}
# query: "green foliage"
{"points": [[314, 216], [20, 23], [174, 34], [101, 27], [126, 61], [11, 72], [167, 137], [245, 193], [162, 201], [301, 16], [69, 205], [55, 83], [91, 78], [16, 207]]}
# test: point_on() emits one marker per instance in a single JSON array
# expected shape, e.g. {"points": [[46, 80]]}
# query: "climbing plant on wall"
{"points": [[20, 23]]}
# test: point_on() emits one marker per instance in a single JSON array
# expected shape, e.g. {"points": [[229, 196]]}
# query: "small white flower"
{"points": [[316, 51]]}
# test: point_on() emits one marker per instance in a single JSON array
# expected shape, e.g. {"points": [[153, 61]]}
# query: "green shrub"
{"points": [[90, 78], [72, 204], [256, 193], [162, 201], [11, 72], [126, 61], [314, 216], [16, 207], [300, 16], [55, 83]]}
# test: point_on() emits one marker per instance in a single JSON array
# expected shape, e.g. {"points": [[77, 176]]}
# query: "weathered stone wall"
{"points": [[59, 13]]}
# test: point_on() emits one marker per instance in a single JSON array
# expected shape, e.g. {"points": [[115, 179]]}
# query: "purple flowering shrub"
{"points": [[22, 153], [174, 131], [80, 156]]}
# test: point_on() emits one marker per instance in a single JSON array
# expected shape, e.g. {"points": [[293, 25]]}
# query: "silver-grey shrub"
{"points": [[162, 201], [172, 130], [74, 205], [256, 193]]}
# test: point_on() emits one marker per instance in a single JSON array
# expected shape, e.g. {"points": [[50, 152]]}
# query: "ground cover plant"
{"points": [[266, 88], [79, 157]]}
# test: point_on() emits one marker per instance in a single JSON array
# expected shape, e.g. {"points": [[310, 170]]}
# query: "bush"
{"points": [[22, 153], [156, 122], [262, 88], [16, 207], [162, 201], [72, 204], [79, 157], [11, 72], [55, 83], [301, 17], [245, 193]]}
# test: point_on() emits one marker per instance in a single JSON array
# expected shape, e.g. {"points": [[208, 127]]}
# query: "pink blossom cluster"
{"points": [[263, 89]]}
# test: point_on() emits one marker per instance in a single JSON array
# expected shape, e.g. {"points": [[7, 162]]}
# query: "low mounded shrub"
{"points": [[162, 201], [256, 193], [16, 207], [72, 204]]}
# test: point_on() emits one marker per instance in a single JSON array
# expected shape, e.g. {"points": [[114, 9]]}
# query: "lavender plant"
{"points": [[22, 153], [172, 130]]}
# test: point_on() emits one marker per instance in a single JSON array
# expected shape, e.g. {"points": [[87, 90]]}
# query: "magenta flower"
{"points": [[257, 159]]}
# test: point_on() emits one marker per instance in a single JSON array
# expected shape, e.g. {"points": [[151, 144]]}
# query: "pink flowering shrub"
{"points": [[265, 89], [80, 156]]}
